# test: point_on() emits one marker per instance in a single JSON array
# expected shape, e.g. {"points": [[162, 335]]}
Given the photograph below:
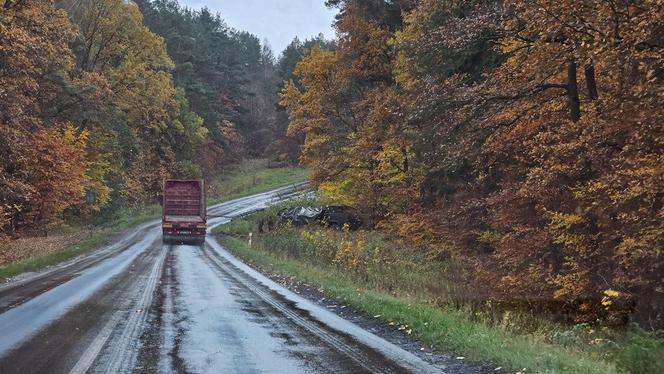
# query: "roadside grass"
{"points": [[97, 237], [380, 277], [249, 177], [35, 263]]}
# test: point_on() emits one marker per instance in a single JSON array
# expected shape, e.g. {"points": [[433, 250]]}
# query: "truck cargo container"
{"points": [[184, 211]]}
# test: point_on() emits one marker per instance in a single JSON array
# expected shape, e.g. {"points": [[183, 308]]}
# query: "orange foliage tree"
{"points": [[34, 53], [585, 154], [94, 66], [344, 106], [524, 138], [56, 171]]}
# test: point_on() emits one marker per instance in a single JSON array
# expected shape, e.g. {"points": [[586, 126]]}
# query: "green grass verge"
{"points": [[449, 330], [249, 177]]}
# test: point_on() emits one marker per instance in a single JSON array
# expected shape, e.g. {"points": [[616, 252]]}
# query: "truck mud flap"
{"points": [[183, 239]]}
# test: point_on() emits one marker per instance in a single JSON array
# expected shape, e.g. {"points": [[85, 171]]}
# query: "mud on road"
{"points": [[141, 306]]}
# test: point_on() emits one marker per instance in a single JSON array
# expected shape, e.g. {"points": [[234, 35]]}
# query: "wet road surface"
{"points": [[140, 306]]}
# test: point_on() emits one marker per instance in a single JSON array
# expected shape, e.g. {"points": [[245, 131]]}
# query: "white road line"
{"points": [[97, 344]]}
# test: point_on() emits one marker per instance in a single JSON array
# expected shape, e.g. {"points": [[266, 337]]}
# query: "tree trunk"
{"points": [[573, 92], [404, 152], [12, 224], [427, 191], [591, 82]]}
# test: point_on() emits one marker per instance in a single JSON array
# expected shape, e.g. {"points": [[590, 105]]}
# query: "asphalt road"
{"points": [[138, 305]]}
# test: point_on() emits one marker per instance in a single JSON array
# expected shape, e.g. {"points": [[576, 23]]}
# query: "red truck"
{"points": [[184, 218]]}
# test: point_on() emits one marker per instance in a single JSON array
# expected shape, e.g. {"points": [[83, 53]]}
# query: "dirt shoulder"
{"points": [[36, 246], [395, 333]]}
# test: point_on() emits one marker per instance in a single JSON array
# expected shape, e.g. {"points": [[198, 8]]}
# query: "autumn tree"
{"points": [[105, 76], [590, 138], [522, 138], [343, 105], [34, 61], [514, 148], [56, 172], [133, 64], [313, 111], [285, 147]]}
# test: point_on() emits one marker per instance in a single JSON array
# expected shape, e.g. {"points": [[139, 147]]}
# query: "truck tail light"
{"points": [[167, 225], [201, 226]]}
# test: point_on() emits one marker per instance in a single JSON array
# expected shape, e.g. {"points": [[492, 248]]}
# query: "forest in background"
{"points": [[521, 139], [101, 100]]}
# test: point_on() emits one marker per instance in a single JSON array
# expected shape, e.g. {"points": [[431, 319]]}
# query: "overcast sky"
{"points": [[279, 21]]}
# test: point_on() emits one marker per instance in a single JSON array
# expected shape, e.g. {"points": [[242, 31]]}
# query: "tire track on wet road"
{"points": [[140, 306], [28, 287], [125, 348], [365, 358], [93, 321]]}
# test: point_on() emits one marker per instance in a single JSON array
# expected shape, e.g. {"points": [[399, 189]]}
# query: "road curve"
{"points": [[138, 305]]}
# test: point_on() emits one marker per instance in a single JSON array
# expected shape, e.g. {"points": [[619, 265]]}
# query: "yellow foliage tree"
{"points": [[57, 167]]}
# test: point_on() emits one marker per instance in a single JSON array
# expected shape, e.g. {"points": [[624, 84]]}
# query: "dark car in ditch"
{"points": [[338, 216]]}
